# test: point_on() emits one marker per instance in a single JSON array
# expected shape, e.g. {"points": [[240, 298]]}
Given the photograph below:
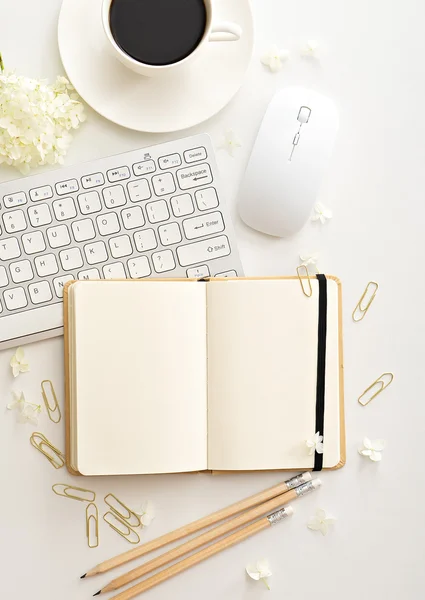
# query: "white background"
{"points": [[372, 64]]}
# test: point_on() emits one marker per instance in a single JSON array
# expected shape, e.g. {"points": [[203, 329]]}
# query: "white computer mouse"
{"points": [[289, 159]]}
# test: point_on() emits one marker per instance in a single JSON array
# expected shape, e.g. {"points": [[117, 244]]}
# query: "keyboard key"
{"points": [[197, 272], [114, 196], [39, 215], [9, 248], [132, 217], [46, 265], [40, 292], [206, 199], [145, 240], [71, 259], [120, 246], [15, 298], [118, 174], [139, 190], [171, 160], [66, 187], [114, 271], [12, 200], [41, 193], [195, 154], [169, 234], [95, 253], [4, 280], [108, 223], [14, 221], [163, 261], [33, 242], [191, 254], [1, 308], [191, 177], [89, 203], [59, 283], [83, 230], [182, 205], [226, 274], [203, 225], [58, 236], [21, 271], [144, 168], [163, 184], [64, 209], [139, 267], [89, 274], [157, 211], [90, 181]]}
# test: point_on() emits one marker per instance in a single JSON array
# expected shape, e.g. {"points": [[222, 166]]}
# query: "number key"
{"points": [[89, 202], [114, 196], [14, 221], [39, 215], [64, 209]]}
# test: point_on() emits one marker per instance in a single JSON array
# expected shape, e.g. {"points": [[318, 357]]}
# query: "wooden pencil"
{"points": [[196, 526], [209, 536], [207, 552]]}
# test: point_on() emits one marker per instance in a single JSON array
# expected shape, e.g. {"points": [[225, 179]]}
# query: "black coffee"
{"points": [[158, 32]]}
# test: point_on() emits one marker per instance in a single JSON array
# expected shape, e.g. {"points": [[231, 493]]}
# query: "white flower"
{"points": [[315, 444], [273, 58], [321, 213], [146, 513], [18, 362], [36, 119], [26, 411], [230, 142], [260, 571], [321, 521], [309, 260], [310, 48], [372, 449]]}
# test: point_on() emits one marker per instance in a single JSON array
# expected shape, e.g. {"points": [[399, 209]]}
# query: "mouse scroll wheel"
{"points": [[304, 114]]}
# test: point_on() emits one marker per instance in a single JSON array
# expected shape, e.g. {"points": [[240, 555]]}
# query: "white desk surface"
{"points": [[373, 68]]}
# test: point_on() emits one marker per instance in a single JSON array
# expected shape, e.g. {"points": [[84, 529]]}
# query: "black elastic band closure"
{"points": [[321, 365]]}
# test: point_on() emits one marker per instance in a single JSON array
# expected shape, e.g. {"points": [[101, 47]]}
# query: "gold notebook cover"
{"points": [[340, 353]]}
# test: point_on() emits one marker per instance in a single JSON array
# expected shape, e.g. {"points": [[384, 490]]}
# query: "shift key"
{"points": [[190, 254]]}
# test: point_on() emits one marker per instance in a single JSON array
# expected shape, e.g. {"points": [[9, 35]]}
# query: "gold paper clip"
{"points": [[126, 531], [307, 291], [125, 513], [64, 492], [92, 514], [361, 310], [41, 443], [54, 413], [380, 384]]}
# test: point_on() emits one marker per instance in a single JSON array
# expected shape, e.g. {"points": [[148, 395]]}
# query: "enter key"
{"points": [[197, 227]]}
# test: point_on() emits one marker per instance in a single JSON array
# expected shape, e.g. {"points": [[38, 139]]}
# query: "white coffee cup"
{"points": [[214, 32]]}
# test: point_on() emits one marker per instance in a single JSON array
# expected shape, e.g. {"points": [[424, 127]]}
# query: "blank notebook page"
{"points": [[140, 363], [262, 346]]}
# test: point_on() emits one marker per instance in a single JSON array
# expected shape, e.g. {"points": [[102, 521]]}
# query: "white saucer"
{"points": [[156, 104]]}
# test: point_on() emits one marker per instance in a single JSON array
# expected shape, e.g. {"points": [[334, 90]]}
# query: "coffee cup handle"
{"points": [[225, 32]]}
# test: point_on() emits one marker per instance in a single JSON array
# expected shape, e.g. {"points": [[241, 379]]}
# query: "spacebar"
{"points": [[29, 322]]}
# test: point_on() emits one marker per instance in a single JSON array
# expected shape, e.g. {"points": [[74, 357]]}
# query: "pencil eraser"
{"points": [[289, 510], [307, 476], [316, 483]]}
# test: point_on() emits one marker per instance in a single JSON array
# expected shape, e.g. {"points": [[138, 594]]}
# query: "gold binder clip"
{"points": [[122, 527], [61, 489], [307, 290], [380, 386], [42, 444], [361, 310], [54, 413], [122, 511], [92, 514]]}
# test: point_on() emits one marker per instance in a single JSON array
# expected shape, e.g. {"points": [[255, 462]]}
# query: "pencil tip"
{"points": [[82, 576], [97, 593]]}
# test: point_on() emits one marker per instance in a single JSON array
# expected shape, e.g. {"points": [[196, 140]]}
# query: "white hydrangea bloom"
{"points": [[36, 119]]}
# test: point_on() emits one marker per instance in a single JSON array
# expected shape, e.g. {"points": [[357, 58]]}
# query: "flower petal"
{"points": [[323, 528], [365, 452], [319, 448], [314, 524], [367, 443], [252, 572], [375, 456], [378, 445], [320, 514]]}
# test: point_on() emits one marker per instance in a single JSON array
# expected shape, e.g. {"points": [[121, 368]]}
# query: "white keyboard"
{"points": [[155, 212]]}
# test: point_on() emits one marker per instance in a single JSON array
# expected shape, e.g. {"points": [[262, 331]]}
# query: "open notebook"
{"points": [[167, 376]]}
